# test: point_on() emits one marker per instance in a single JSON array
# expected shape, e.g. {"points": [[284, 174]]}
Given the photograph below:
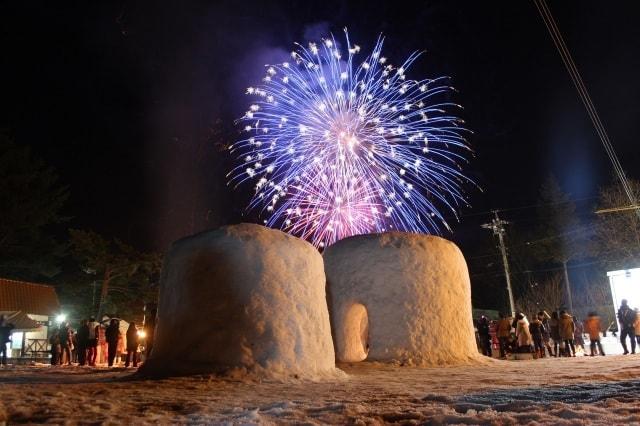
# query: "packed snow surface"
{"points": [[400, 297], [243, 299], [567, 391]]}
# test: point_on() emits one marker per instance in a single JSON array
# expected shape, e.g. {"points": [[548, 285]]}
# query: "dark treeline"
{"points": [[93, 274]]}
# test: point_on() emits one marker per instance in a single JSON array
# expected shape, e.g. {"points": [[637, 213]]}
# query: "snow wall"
{"points": [[400, 297], [243, 299]]}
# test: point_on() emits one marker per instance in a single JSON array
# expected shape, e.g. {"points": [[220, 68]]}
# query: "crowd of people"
{"points": [[555, 335], [82, 346]]}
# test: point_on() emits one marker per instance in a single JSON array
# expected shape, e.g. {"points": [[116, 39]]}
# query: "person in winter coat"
{"points": [[103, 346], [82, 338], [522, 333], [74, 346], [567, 329], [554, 331], [626, 318], [536, 329], [592, 327], [92, 342], [544, 317], [5, 337], [120, 349], [66, 343], [503, 331], [54, 340], [112, 333], [484, 335], [636, 326], [132, 345]]}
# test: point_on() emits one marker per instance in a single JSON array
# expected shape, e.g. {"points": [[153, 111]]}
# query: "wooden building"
{"points": [[31, 308]]}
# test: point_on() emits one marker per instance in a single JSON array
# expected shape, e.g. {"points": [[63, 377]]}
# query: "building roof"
{"points": [[30, 298]]}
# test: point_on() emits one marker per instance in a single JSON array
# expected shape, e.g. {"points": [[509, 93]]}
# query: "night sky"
{"points": [[127, 99]]}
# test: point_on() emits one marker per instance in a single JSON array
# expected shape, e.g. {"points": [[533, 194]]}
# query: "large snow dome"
{"points": [[243, 297], [400, 297]]}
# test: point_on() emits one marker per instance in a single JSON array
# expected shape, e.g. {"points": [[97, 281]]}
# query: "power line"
{"points": [[579, 229], [530, 206], [482, 256], [570, 65], [556, 268]]}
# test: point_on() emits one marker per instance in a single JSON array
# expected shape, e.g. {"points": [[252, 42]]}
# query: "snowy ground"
{"points": [[583, 390]]}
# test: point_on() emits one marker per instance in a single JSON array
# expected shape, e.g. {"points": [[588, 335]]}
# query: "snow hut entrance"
{"points": [[356, 333]]}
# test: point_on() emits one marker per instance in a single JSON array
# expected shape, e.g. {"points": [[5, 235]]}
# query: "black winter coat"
{"points": [[83, 336], [112, 333], [626, 316], [132, 340], [536, 328], [483, 328], [65, 337]]}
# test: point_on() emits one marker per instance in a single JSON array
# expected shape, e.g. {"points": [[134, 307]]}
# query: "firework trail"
{"points": [[339, 146]]}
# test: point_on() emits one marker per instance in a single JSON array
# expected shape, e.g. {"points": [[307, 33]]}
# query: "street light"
{"points": [[61, 318]]}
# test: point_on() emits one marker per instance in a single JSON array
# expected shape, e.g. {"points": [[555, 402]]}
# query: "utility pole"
{"points": [[568, 286], [497, 226]]}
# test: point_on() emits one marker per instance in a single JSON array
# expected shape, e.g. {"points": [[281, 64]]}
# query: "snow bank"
{"points": [[547, 391], [243, 298], [400, 297]]}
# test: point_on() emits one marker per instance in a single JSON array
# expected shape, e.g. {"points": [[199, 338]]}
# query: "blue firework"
{"points": [[338, 146]]}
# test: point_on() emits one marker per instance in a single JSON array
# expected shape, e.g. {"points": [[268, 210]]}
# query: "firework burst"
{"points": [[340, 146]]}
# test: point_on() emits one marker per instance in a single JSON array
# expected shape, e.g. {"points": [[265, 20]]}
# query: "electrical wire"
{"points": [[572, 69], [530, 206]]}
